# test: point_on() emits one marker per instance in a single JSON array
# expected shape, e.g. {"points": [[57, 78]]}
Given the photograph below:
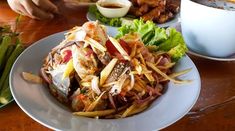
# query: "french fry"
{"points": [[32, 78]]}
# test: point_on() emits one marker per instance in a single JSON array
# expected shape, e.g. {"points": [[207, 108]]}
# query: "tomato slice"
{"points": [[114, 52], [67, 56], [125, 46], [111, 48]]}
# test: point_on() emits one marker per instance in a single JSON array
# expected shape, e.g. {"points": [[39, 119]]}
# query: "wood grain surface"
{"points": [[214, 110]]}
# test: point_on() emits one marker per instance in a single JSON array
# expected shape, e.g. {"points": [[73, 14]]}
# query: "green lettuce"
{"points": [[168, 40], [117, 22]]}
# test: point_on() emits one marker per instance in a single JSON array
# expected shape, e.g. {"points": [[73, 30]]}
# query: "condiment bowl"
{"points": [[113, 8]]}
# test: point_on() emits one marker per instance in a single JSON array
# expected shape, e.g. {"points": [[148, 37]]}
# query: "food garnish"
{"points": [[167, 40]]}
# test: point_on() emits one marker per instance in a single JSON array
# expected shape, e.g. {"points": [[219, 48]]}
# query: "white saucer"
{"points": [[230, 58]]}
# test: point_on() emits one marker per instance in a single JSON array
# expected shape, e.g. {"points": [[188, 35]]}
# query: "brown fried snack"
{"points": [[159, 11]]}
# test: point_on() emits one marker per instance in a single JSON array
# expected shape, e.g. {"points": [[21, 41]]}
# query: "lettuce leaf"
{"points": [[117, 22], [168, 40]]}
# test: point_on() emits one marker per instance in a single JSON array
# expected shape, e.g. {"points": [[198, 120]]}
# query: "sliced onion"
{"points": [[117, 88], [95, 85], [132, 81]]}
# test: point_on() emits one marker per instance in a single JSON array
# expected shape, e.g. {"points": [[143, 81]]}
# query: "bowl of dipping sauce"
{"points": [[113, 8]]}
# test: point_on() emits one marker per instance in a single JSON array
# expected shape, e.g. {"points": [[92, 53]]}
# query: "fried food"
{"points": [[159, 11]]}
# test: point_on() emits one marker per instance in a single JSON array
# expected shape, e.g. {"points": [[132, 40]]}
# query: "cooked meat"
{"points": [[134, 2], [159, 11], [164, 17], [144, 8], [151, 3], [153, 14], [135, 11], [172, 6]]}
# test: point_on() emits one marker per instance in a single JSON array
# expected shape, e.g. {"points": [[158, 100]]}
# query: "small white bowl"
{"points": [[113, 12]]}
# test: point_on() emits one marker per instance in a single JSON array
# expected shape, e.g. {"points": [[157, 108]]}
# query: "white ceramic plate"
{"points": [[176, 19], [36, 101]]}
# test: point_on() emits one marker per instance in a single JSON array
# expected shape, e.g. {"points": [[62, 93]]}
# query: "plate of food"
{"points": [[91, 80], [163, 13]]}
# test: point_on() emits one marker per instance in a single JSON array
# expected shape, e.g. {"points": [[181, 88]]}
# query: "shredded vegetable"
{"points": [[104, 77]]}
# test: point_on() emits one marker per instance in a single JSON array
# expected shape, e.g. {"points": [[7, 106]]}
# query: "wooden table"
{"points": [[218, 78]]}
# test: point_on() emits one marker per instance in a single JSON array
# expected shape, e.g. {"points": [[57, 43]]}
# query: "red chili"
{"points": [[89, 52], [114, 52], [68, 55], [125, 46], [81, 96], [111, 48]]}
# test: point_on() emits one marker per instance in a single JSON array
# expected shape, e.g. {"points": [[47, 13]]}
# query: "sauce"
{"points": [[111, 5]]}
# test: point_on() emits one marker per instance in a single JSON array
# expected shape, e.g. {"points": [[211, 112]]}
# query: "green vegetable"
{"points": [[10, 49], [168, 40], [109, 21], [10, 62], [8, 54], [175, 45], [3, 48], [5, 95]]}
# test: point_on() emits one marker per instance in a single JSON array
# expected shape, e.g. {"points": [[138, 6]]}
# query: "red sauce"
{"points": [[111, 5]]}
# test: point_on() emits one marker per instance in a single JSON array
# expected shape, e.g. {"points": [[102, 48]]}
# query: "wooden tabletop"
{"points": [[214, 110]]}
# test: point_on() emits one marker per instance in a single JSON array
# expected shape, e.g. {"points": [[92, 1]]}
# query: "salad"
{"points": [[104, 77]]}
